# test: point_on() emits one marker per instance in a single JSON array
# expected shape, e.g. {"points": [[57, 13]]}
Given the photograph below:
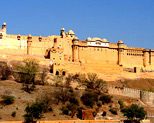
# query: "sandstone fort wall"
{"points": [[66, 49], [144, 96]]}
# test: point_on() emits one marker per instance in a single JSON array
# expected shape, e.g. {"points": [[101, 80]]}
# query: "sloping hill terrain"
{"points": [[13, 88]]}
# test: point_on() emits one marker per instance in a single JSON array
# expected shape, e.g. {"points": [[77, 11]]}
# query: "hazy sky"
{"points": [[129, 20]]}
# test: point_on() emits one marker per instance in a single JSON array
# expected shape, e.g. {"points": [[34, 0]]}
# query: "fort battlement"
{"points": [[144, 96], [92, 54]]}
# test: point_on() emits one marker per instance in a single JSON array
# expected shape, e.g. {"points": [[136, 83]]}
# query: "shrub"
{"points": [[8, 99], [121, 104], [99, 104], [92, 78], [47, 98], [13, 114], [74, 101], [65, 110], [89, 98], [50, 109], [71, 90], [34, 111], [94, 113], [76, 88], [104, 113], [105, 99], [71, 107], [113, 111], [134, 112], [27, 73]]}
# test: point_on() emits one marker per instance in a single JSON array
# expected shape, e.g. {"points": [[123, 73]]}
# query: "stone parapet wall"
{"points": [[144, 96]]}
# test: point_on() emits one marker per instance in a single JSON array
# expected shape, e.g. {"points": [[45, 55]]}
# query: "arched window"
{"points": [[51, 70], [63, 73], [57, 72]]}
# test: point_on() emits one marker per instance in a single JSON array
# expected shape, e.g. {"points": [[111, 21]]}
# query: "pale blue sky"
{"points": [[129, 20]]}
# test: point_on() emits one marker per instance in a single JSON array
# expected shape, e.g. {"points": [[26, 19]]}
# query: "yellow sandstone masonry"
{"points": [[67, 54]]}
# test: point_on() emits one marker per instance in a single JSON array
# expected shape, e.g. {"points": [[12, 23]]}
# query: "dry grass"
{"points": [[13, 88], [141, 84], [21, 99]]}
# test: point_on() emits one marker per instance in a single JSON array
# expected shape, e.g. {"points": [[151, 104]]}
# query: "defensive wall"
{"points": [[65, 52], [80, 121], [145, 96]]}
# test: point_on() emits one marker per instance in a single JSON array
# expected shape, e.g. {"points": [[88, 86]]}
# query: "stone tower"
{"points": [[75, 49], [62, 32], [4, 27], [120, 52]]}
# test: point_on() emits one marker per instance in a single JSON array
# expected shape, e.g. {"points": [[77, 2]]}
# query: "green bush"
{"points": [[34, 111], [27, 73], [65, 110], [94, 113], [13, 114], [105, 99], [71, 90], [74, 101], [71, 107], [134, 112], [89, 98], [121, 104], [99, 104], [8, 100], [113, 111], [50, 109], [104, 113]]}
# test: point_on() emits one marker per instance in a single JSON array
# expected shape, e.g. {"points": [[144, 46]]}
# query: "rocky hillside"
{"points": [[13, 88]]}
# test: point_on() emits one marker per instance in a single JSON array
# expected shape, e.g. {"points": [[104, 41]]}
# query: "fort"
{"points": [[65, 53]]}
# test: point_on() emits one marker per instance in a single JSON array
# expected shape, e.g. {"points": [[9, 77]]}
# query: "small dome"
{"points": [[4, 24], [96, 39], [75, 38], [18, 34], [40, 36], [70, 32], [62, 29], [29, 35], [120, 42], [104, 40], [88, 39]]}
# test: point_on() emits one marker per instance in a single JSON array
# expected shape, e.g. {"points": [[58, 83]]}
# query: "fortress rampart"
{"points": [[144, 96], [66, 51]]}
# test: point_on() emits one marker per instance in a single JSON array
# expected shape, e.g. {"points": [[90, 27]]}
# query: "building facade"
{"points": [[67, 54]]}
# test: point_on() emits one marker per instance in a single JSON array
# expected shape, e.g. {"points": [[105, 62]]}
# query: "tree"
{"points": [[89, 98], [27, 73], [62, 94], [47, 98], [43, 76], [93, 82], [134, 112], [105, 99], [34, 111]]}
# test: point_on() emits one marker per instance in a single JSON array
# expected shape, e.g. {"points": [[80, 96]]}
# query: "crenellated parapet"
{"points": [[145, 96]]}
